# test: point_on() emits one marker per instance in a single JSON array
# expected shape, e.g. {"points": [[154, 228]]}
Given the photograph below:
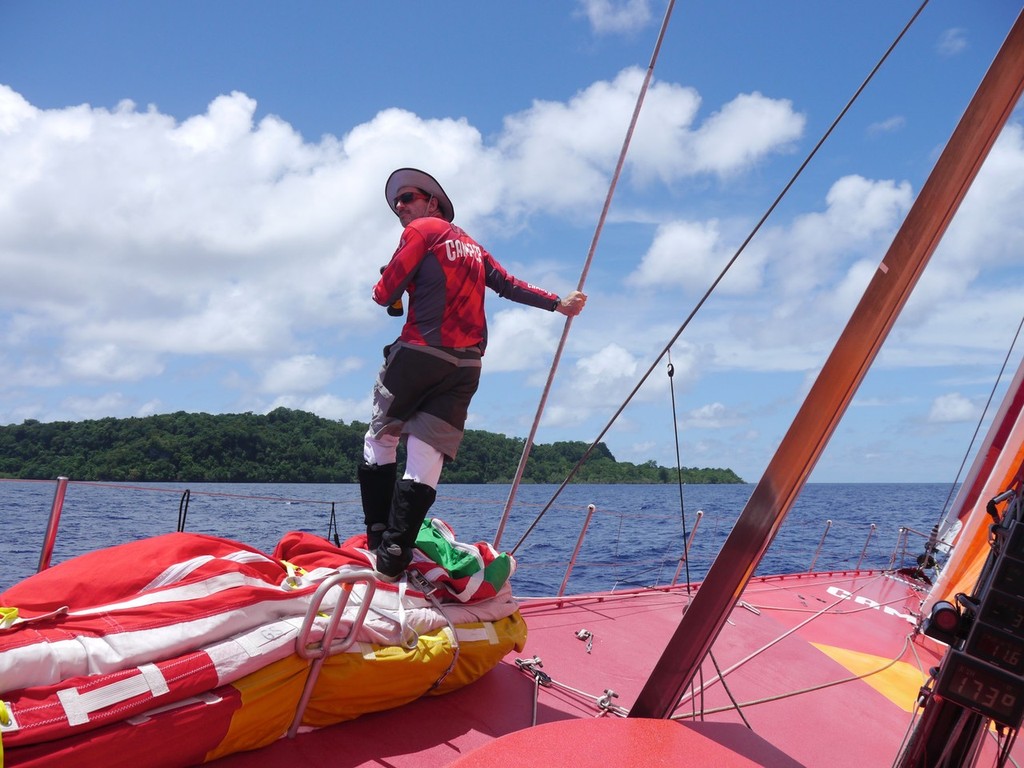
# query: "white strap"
{"points": [[485, 633], [78, 706], [403, 586]]}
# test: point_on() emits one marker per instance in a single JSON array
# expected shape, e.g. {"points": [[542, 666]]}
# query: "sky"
{"points": [[192, 213]]}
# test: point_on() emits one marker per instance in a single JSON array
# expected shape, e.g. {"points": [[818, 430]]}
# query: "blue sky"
{"points": [[192, 212]]}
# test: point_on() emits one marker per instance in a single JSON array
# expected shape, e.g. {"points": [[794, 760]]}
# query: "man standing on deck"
{"points": [[432, 370]]}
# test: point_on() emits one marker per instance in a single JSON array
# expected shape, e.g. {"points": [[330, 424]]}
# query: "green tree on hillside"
{"points": [[284, 446]]}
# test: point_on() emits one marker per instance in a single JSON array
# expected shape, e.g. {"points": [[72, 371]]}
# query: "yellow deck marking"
{"points": [[899, 683]]}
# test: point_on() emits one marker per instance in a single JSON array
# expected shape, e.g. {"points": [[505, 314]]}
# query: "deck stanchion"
{"points": [[871, 532], [575, 552], [828, 526], [899, 547], [51, 527], [686, 549]]}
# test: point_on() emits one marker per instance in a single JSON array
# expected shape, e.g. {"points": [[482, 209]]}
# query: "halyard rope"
{"points": [[583, 276]]}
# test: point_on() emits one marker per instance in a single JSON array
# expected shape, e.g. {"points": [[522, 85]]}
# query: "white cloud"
{"points": [[128, 236], [953, 407], [711, 416], [888, 125], [14, 110], [107, 362], [225, 253], [743, 131], [126, 219], [607, 16], [599, 382], [98, 407], [299, 373], [129, 239], [606, 377], [806, 276], [952, 42], [612, 363], [860, 217], [326, 406], [521, 339], [691, 255], [986, 234], [988, 229], [670, 145], [149, 408], [559, 155]]}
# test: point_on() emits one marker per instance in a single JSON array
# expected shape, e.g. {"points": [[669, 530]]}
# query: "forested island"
{"points": [[285, 446]]}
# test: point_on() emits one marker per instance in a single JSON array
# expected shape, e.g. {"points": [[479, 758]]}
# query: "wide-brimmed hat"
{"points": [[412, 177]]}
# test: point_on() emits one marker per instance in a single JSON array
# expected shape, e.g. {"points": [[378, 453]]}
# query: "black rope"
{"points": [[332, 528], [183, 510], [679, 466]]}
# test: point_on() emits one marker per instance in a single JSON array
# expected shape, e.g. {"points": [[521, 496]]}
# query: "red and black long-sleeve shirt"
{"points": [[445, 272]]}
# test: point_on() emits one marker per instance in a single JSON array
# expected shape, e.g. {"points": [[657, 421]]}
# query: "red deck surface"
{"points": [[640, 742], [802, 705]]}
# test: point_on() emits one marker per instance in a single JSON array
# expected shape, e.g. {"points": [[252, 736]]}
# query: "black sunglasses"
{"points": [[407, 197]]}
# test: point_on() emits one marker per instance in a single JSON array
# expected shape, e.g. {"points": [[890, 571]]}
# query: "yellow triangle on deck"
{"points": [[899, 683]]}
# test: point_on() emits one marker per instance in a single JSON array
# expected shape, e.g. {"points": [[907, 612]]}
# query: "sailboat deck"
{"points": [[801, 654]]}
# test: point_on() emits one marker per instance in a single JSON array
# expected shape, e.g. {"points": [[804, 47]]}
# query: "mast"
{"points": [[839, 379]]}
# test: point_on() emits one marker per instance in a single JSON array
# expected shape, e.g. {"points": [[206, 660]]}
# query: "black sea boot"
{"points": [[376, 487], [409, 509]]}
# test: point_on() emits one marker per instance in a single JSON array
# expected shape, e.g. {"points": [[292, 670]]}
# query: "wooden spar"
{"points": [[838, 381]]}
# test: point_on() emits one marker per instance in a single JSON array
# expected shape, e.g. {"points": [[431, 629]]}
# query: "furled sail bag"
{"points": [[189, 640]]}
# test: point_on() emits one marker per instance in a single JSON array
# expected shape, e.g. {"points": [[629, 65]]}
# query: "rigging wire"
{"points": [[728, 691], [809, 689], [583, 275], [721, 276], [671, 371]]}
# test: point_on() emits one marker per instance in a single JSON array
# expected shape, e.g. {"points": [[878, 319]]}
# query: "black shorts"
{"points": [[425, 391]]}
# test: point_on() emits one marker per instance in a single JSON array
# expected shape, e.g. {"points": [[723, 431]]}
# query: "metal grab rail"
{"points": [[934, 549], [319, 651]]}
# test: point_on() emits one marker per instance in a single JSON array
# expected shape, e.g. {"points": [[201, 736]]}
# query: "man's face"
{"points": [[411, 203]]}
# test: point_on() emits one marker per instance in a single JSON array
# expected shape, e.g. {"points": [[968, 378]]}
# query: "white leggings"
{"points": [[423, 462]]}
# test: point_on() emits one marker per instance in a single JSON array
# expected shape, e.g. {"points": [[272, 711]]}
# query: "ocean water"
{"points": [[636, 534]]}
